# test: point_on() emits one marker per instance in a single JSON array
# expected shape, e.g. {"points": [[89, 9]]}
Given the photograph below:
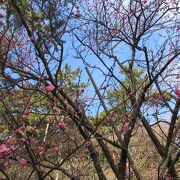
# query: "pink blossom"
{"points": [[80, 110], [22, 140], [9, 142], [77, 16], [159, 97], [69, 109], [57, 148], [104, 87], [40, 150], [62, 126], [49, 88], [2, 15], [27, 112], [177, 92], [108, 119], [30, 139], [126, 128], [65, 102], [13, 92], [20, 131], [4, 150], [132, 11], [8, 162], [87, 144], [68, 120], [168, 177], [22, 161]]}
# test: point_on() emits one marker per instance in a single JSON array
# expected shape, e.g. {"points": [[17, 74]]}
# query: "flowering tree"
{"points": [[137, 46], [48, 125], [34, 114]]}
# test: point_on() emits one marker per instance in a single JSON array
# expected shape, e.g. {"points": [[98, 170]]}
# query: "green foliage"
{"points": [[11, 12], [70, 78], [26, 10], [121, 96]]}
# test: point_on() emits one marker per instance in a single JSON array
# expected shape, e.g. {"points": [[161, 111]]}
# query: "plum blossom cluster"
{"points": [[87, 143], [5, 150], [177, 92], [108, 119], [62, 126], [49, 88], [126, 128], [40, 150], [2, 15], [77, 15], [22, 161]]}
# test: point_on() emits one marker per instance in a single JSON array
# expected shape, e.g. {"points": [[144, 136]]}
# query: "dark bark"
{"points": [[93, 156], [108, 156], [159, 147], [127, 136], [172, 124]]}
